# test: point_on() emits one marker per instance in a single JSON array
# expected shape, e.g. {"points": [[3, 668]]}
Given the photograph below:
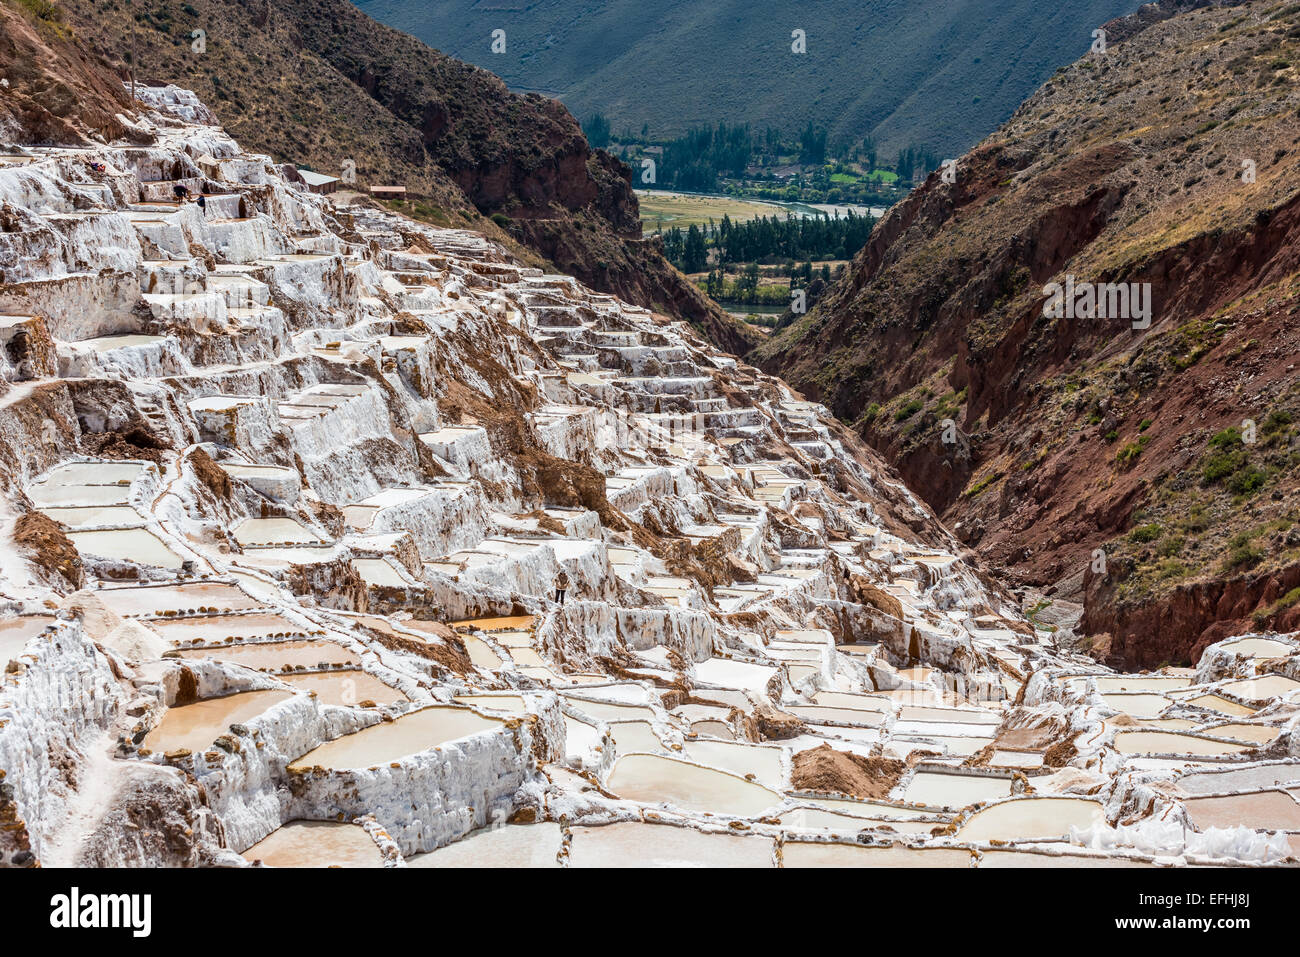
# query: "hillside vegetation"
{"points": [[937, 74]]}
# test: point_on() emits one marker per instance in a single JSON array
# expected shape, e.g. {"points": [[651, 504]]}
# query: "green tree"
{"points": [[694, 256], [596, 130]]}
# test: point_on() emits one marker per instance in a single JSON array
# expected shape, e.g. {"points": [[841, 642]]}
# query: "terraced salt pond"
{"points": [[1256, 689], [816, 818], [1032, 818], [1256, 647], [633, 844], [727, 673], [1168, 742], [216, 628], [206, 597], [507, 623], [652, 779], [1239, 779], [817, 714], [822, 855], [137, 545], [277, 655], [607, 711], [195, 726], [763, 762], [316, 844], [1214, 702], [852, 702], [390, 740], [1139, 704], [937, 789], [349, 688], [1263, 810], [1115, 683], [274, 531], [508, 703], [94, 516], [513, 845], [1258, 734], [632, 736], [1032, 858], [881, 810], [16, 632], [380, 573]]}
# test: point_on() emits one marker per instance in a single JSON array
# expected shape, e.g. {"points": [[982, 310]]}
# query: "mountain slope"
{"points": [[1073, 435], [940, 75], [317, 82], [54, 89]]}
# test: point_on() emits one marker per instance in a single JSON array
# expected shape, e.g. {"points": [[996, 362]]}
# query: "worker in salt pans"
{"points": [[561, 585]]}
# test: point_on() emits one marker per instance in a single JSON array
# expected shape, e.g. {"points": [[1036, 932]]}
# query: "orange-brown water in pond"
{"points": [[195, 726], [348, 687], [518, 622], [316, 844]]}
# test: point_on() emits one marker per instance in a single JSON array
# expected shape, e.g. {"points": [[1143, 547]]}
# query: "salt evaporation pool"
{"points": [[715, 729], [274, 531], [16, 632], [652, 779], [195, 726], [276, 655], [762, 761], [632, 736], [727, 673], [1214, 702], [853, 702], [1258, 734], [506, 623], [511, 845], [1031, 818], [1257, 689], [350, 687], [1169, 742], [509, 703], [1139, 704], [390, 740], [937, 789], [1256, 647], [1027, 858], [92, 516], [633, 844], [823, 855], [1273, 810], [1239, 779], [217, 628], [816, 818], [164, 599], [137, 545], [607, 711], [1115, 683], [316, 844], [869, 809]]}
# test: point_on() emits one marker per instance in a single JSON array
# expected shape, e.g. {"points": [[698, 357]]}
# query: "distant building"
{"points": [[388, 192], [319, 182]]}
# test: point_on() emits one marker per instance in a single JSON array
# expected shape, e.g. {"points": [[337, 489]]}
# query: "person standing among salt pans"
{"points": [[561, 585]]}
